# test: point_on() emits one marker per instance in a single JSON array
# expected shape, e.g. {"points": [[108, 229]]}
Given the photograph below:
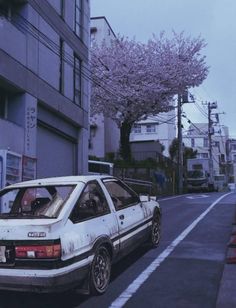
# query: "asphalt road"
{"points": [[184, 271]]}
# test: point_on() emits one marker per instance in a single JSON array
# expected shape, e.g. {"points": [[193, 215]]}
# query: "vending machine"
{"points": [[10, 173]]}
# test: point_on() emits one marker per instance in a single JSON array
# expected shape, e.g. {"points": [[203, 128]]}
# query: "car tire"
{"points": [[100, 271], [155, 235]]}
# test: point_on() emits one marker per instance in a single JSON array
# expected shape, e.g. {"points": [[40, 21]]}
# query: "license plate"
{"points": [[2, 254]]}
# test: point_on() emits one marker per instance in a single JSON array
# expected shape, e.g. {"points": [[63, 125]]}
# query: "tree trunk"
{"points": [[125, 131]]}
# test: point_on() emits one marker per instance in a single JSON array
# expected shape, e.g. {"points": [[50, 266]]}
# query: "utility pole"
{"points": [[180, 146], [210, 133]]}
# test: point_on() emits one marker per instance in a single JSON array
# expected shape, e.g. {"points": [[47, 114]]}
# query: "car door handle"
{"points": [[122, 217]]}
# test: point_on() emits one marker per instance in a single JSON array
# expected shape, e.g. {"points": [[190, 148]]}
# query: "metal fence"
{"points": [[148, 180]]}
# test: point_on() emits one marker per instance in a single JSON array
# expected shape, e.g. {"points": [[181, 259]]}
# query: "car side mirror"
{"points": [[144, 198]]}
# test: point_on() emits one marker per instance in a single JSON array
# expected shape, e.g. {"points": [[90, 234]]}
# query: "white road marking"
{"points": [[169, 198], [197, 196], [136, 284]]}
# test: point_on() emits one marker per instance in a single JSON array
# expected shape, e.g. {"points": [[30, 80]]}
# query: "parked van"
{"points": [[100, 167]]}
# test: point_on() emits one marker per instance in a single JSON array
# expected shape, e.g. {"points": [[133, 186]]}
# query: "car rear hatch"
{"points": [[29, 243]]}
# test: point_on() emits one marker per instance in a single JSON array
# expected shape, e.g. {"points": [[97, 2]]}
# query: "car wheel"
{"points": [[100, 271], [155, 231]]}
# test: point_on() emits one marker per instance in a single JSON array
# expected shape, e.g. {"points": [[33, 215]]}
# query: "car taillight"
{"points": [[38, 251]]}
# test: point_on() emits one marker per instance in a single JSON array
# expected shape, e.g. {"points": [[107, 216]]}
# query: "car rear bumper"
{"points": [[198, 187], [44, 281]]}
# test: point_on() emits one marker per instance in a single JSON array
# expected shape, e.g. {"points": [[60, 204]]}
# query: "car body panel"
{"points": [[81, 237], [121, 230]]}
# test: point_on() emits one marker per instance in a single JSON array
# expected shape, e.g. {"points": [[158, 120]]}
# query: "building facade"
{"points": [[44, 88], [161, 128], [104, 132], [231, 160], [197, 137]]}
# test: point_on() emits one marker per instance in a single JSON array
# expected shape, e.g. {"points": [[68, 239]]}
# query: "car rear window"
{"points": [[34, 202]]}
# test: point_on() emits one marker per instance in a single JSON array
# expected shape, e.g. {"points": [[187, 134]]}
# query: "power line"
{"points": [[202, 111], [197, 128], [170, 120], [26, 26]]}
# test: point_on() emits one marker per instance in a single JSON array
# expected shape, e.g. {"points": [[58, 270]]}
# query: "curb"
{"points": [[231, 251], [231, 256], [227, 296]]}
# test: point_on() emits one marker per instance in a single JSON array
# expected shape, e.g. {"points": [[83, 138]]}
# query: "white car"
{"points": [[65, 232]]}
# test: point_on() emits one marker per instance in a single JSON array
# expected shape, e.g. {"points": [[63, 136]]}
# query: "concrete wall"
{"points": [[12, 136], [36, 111], [106, 137], [10, 37], [145, 149]]}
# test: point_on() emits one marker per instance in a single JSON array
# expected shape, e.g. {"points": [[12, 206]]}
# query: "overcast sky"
{"points": [[214, 20]]}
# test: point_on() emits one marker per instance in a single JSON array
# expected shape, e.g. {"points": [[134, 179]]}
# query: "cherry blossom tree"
{"points": [[133, 80]]}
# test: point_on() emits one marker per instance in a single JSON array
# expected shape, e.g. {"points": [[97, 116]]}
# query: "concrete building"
{"points": [[104, 133], [197, 138], [142, 150], [44, 89], [161, 128], [231, 160]]}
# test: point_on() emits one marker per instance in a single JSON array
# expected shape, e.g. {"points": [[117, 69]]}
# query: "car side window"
{"points": [[91, 203], [120, 194]]}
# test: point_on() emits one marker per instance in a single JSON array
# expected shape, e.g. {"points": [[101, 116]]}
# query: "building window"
{"points": [[204, 155], [93, 32], [77, 80], [192, 142], [233, 147], [205, 143], [234, 158], [61, 73], [63, 9], [3, 104], [2, 109], [150, 128], [136, 129], [6, 9], [78, 18], [222, 158], [12, 10]]}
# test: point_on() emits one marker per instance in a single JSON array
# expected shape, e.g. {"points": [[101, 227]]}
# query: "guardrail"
{"points": [[147, 184]]}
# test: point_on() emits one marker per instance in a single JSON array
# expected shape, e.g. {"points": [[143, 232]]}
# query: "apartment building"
{"points": [[161, 128], [104, 132], [231, 159], [198, 139], [44, 85]]}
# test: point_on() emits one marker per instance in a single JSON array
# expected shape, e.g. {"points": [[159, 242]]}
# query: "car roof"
{"points": [[60, 180]]}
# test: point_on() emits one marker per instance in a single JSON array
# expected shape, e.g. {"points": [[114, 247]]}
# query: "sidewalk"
{"points": [[227, 292]]}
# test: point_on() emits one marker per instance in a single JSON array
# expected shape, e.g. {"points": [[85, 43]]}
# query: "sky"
{"points": [[213, 20]]}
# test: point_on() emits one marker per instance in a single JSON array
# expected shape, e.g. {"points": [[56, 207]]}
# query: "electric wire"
{"points": [[26, 26], [197, 128], [201, 110]]}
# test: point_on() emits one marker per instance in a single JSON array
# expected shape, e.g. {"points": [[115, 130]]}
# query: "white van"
{"points": [[100, 167]]}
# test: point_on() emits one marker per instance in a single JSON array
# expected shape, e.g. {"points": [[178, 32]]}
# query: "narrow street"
{"points": [[186, 268]]}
